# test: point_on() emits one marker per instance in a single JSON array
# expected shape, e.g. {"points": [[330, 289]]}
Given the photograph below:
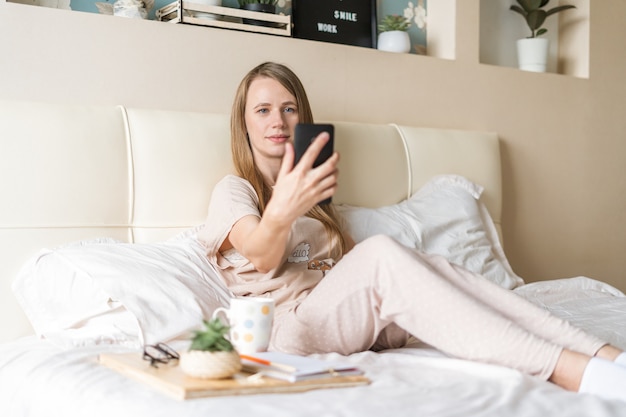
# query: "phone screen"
{"points": [[305, 134]]}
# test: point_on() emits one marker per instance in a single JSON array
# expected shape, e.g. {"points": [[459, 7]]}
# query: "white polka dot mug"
{"points": [[250, 320]]}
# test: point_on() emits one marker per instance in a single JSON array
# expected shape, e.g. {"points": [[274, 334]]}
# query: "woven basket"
{"points": [[210, 365]]}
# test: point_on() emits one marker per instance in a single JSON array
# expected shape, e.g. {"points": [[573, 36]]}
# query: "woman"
{"points": [[268, 236]]}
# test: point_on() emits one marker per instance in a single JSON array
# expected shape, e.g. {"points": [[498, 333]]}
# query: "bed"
{"points": [[98, 255]]}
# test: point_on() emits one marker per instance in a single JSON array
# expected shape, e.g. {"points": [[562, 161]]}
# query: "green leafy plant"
{"points": [[394, 22], [212, 338], [535, 16], [270, 2]]}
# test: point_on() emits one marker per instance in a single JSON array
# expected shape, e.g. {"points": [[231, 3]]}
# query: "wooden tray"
{"points": [[171, 380], [226, 17]]}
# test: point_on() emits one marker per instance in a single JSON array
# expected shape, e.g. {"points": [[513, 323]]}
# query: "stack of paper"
{"points": [[295, 368]]}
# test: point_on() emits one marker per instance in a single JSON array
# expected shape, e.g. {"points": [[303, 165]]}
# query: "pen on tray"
{"points": [[282, 366]]}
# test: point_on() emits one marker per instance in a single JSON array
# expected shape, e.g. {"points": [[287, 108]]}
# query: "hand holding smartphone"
{"points": [[305, 133]]}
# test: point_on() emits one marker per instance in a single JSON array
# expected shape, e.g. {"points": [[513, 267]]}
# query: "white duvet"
{"points": [[41, 378], [102, 296]]}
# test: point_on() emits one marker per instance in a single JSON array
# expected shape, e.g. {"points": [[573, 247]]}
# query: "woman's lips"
{"points": [[278, 138]]}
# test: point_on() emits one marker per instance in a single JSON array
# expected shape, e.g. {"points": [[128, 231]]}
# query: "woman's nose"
{"points": [[278, 119]]}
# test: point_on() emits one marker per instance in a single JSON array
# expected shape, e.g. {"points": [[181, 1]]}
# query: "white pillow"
{"points": [[444, 217], [81, 291]]}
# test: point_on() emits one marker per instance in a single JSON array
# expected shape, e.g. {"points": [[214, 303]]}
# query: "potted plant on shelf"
{"points": [[211, 355], [264, 6], [532, 52], [393, 35]]}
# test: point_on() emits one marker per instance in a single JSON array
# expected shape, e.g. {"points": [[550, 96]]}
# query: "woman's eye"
{"points": [[289, 110], [262, 111]]}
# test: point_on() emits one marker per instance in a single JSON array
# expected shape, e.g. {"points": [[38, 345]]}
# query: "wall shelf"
{"points": [[497, 30]]}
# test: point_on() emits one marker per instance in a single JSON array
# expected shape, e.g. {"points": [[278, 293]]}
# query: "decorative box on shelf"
{"points": [[182, 11]]}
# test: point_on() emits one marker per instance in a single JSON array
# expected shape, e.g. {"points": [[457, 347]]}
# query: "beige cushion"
{"points": [[177, 159]]}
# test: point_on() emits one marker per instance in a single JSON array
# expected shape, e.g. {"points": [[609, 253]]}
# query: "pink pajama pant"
{"points": [[381, 292]]}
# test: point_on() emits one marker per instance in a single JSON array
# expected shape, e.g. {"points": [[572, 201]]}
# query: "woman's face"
{"points": [[271, 114]]}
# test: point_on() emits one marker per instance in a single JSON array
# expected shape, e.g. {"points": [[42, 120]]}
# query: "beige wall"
{"points": [[563, 137]]}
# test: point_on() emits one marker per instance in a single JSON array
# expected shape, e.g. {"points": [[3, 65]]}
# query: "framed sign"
{"points": [[350, 22]]}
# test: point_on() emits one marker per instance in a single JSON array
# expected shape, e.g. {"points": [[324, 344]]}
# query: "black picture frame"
{"points": [[348, 22]]}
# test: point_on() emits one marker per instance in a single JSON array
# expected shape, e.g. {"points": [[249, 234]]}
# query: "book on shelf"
{"points": [[171, 380], [295, 368]]}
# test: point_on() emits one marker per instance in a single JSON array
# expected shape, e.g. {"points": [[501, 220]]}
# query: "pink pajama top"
{"points": [[233, 198]]}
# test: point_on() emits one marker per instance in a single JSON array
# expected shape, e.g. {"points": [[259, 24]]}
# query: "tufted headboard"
{"points": [[70, 173]]}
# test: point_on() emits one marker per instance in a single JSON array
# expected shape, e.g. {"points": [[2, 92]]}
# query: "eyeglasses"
{"points": [[159, 353]]}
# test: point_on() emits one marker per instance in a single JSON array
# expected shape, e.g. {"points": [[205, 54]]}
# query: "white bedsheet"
{"points": [[38, 378]]}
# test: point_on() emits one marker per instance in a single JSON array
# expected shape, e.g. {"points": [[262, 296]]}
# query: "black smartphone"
{"points": [[305, 133]]}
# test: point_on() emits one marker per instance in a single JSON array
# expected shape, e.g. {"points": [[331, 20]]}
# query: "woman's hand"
{"points": [[296, 191], [299, 188]]}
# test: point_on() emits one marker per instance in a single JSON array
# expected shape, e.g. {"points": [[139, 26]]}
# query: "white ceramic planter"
{"points": [[394, 41], [532, 54], [203, 15], [210, 365]]}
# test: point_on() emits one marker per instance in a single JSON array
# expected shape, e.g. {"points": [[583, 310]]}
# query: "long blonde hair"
{"points": [[242, 152]]}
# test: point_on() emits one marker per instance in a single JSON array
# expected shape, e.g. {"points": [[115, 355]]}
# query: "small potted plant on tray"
{"points": [[211, 355], [533, 50], [393, 35]]}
